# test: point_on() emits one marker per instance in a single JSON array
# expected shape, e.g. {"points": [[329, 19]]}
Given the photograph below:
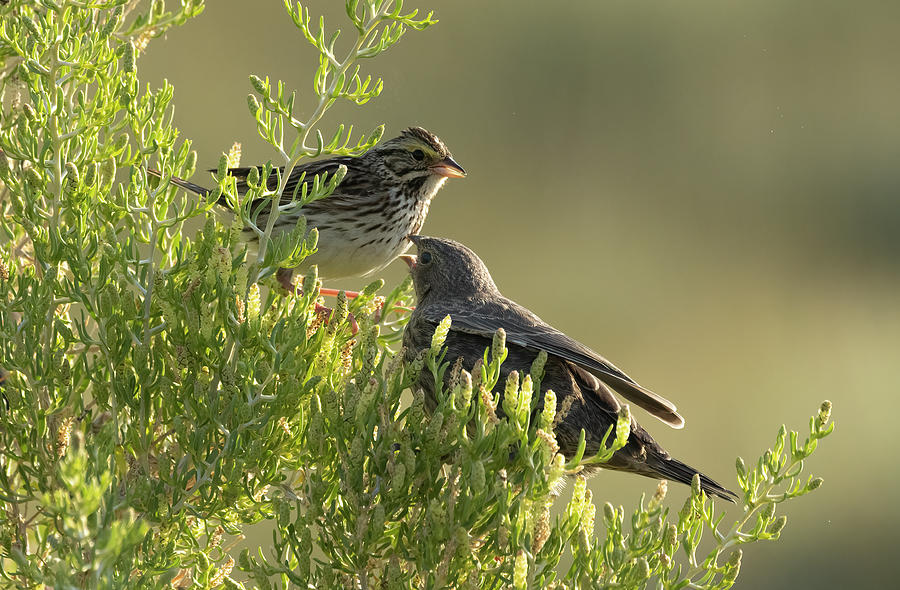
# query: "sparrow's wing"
{"points": [[305, 173], [351, 185], [524, 328]]}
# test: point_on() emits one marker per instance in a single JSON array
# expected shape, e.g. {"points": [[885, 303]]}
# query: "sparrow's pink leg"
{"points": [[334, 293]]}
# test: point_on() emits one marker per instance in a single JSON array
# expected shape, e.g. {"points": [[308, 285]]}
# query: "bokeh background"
{"points": [[706, 192]]}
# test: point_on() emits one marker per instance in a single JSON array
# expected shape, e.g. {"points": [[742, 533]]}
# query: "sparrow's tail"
{"points": [[673, 469], [188, 186]]}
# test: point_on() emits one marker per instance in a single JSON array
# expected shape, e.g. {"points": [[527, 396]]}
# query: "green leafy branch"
{"points": [[379, 24], [648, 556], [487, 474], [156, 400]]}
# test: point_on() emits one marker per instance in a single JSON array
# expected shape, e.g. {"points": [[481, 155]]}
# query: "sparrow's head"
{"points": [[418, 154]]}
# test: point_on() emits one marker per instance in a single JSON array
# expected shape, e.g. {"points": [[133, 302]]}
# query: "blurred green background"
{"points": [[706, 192]]}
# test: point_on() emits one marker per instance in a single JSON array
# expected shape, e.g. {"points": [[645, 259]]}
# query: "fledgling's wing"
{"points": [[524, 328]]}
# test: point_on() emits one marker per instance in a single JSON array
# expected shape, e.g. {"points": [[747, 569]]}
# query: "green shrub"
{"points": [[159, 395]]}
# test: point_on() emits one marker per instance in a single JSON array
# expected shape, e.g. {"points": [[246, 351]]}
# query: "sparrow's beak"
{"points": [[448, 168], [409, 259]]}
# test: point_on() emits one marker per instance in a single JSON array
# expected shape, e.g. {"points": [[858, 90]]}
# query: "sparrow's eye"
{"points": [[424, 257], [418, 155]]}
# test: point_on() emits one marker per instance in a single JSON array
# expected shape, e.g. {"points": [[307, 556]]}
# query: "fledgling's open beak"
{"points": [[409, 259], [448, 168]]}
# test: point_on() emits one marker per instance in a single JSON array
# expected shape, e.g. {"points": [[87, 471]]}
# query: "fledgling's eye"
{"points": [[424, 257], [418, 155]]}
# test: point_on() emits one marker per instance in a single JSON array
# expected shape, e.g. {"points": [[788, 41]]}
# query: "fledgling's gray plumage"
{"points": [[450, 279]]}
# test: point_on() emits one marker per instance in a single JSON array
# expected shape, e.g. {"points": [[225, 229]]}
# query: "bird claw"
{"points": [[354, 327], [328, 314], [285, 279]]}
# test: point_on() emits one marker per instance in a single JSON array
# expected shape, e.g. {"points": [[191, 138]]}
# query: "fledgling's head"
{"points": [[418, 154], [444, 269]]}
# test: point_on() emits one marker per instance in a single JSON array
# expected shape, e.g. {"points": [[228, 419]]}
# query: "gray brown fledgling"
{"points": [[363, 224], [450, 279]]}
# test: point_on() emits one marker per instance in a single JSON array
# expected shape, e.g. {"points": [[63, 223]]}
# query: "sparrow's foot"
{"points": [[328, 314], [285, 279]]}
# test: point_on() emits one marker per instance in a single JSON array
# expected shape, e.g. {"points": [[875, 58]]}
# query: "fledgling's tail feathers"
{"points": [[675, 470], [658, 406]]}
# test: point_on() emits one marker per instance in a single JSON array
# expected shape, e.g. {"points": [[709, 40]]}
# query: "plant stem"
{"points": [[304, 150]]}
